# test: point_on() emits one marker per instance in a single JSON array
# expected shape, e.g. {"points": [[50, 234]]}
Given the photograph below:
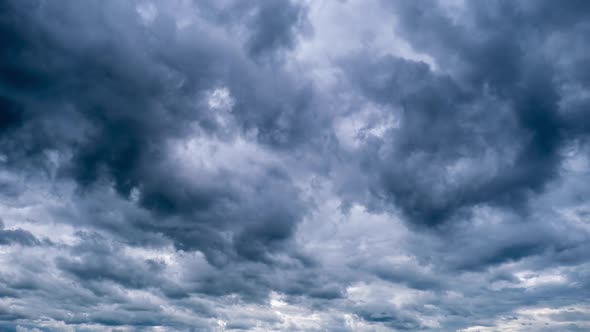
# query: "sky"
{"points": [[294, 165]]}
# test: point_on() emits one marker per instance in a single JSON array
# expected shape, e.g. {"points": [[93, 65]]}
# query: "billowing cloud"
{"points": [[294, 166]]}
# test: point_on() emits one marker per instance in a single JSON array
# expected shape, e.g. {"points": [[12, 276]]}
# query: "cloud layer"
{"points": [[294, 165]]}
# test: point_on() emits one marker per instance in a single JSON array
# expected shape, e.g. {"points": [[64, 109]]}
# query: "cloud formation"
{"points": [[294, 166]]}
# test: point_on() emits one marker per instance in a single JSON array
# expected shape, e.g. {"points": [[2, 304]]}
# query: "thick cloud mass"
{"points": [[294, 165]]}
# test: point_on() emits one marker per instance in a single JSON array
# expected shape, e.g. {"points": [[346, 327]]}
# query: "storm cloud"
{"points": [[294, 165]]}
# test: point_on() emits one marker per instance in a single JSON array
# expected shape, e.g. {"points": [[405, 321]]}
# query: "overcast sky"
{"points": [[302, 165]]}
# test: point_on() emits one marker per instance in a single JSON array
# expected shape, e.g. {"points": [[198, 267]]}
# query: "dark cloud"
{"points": [[18, 236], [390, 319], [254, 165], [486, 128], [274, 25], [115, 100]]}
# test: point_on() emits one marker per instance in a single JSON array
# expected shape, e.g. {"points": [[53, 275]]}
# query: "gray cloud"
{"points": [[270, 166]]}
